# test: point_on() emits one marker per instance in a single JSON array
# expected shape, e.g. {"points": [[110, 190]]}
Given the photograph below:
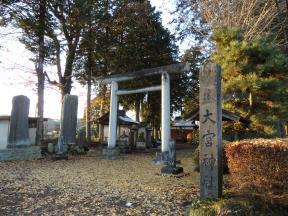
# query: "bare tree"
{"points": [[282, 9], [252, 17]]}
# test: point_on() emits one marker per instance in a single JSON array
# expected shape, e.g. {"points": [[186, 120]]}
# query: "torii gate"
{"points": [[210, 119], [165, 72]]}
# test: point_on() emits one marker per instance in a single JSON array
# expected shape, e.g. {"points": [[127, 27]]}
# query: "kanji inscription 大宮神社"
{"points": [[210, 132]]}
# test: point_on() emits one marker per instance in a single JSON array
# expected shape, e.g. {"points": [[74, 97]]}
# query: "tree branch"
{"points": [[51, 82]]}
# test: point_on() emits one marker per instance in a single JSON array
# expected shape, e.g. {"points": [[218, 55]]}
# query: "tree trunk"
{"points": [[281, 129], [250, 100], [88, 109], [66, 81], [89, 74], [40, 110], [137, 109], [40, 75], [286, 129]]}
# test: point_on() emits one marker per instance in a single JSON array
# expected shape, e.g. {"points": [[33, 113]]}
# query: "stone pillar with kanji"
{"points": [[210, 132]]}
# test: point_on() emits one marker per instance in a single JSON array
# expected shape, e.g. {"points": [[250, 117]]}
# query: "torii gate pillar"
{"points": [[113, 115], [112, 152], [165, 113]]}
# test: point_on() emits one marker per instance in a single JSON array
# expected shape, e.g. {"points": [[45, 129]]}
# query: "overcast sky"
{"points": [[17, 76]]}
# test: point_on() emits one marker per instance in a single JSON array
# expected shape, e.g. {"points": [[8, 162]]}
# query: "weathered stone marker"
{"points": [[19, 128], [68, 123], [210, 132], [149, 135], [69, 119], [18, 143]]}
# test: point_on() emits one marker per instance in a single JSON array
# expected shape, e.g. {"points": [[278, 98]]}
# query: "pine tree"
{"points": [[254, 80]]}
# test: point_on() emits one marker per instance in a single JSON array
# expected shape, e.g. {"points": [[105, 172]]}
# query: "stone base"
{"points": [[110, 153], [141, 150], [123, 147], [60, 157], [157, 162], [172, 170], [164, 159], [125, 150], [168, 162], [140, 145], [23, 153]]}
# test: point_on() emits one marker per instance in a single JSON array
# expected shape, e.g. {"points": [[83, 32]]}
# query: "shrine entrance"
{"points": [[166, 145], [210, 121]]}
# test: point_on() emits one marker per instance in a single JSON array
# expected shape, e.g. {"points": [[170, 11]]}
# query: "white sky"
{"points": [[16, 74]]}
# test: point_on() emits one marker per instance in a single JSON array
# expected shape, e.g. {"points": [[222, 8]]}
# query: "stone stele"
{"points": [[68, 121], [19, 128], [210, 132]]}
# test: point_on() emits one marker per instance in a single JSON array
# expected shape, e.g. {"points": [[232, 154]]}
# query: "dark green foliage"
{"points": [[254, 81], [93, 55], [190, 81], [138, 41], [123, 37]]}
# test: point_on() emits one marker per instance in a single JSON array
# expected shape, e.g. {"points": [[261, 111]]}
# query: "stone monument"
{"points": [[19, 127], [123, 143], [68, 125], [69, 119], [210, 132], [18, 143], [149, 135]]}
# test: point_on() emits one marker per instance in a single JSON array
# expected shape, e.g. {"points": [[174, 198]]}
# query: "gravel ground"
{"points": [[87, 185]]}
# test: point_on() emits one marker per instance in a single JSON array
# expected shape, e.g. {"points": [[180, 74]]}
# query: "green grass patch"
{"points": [[237, 204]]}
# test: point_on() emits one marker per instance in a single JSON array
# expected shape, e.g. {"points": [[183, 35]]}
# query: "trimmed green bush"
{"points": [[236, 205], [201, 208]]}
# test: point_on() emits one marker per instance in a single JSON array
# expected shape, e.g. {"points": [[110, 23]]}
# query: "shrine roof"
{"points": [[122, 119], [226, 116]]}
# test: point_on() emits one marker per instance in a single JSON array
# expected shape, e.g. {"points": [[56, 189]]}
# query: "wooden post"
{"points": [[210, 132]]}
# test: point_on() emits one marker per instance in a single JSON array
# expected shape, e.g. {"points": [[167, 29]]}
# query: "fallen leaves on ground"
{"points": [[88, 185]]}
